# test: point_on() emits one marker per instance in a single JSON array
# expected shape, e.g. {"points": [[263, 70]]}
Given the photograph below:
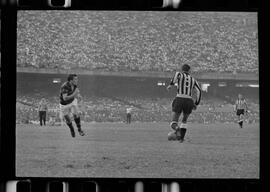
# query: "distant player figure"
{"points": [[240, 108], [129, 109], [183, 102], [42, 110], [69, 95]]}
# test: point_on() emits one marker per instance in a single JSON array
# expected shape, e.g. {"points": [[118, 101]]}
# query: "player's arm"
{"points": [[79, 96], [46, 107], [246, 106], [198, 94], [39, 106], [174, 80], [73, 95], [235, 106]]}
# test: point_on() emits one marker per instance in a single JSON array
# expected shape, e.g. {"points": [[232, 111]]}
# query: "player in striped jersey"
{"points": [[240, 108], [183, 101]]}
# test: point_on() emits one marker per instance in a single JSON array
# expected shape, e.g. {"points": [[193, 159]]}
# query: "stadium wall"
{"points": [[42, 84], [202, 75]]}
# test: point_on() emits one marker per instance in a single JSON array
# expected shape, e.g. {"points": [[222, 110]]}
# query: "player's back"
{"points": [[185, 84]]}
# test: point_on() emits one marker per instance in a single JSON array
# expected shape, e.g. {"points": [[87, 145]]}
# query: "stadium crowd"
{"points": [[137, 41], [98, 109]]}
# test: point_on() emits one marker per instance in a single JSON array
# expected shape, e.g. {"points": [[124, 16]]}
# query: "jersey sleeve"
{"points": [[175, 78], [245, 102], [39, 106], [199, 92], [235, 105]]}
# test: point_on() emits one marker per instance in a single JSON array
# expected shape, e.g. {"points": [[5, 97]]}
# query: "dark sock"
{"points": [[70, 126], [183, 132], [78, 122], [241, 123], [178, 133], [71, 129]]}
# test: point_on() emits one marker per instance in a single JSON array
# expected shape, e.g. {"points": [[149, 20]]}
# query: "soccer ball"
{"points": [[172, 136]]}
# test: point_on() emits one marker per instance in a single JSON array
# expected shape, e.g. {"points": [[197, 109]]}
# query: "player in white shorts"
{"points": [[69, 95]]}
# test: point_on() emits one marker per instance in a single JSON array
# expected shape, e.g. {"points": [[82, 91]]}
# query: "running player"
{"points": [[69, 95], [240, 108], [183, 101]]}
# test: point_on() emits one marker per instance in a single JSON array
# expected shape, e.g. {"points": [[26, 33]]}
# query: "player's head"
{"points": [[73, 78], [186, 68], [240, 96]]}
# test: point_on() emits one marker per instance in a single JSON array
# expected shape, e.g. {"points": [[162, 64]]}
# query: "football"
{"points": [[172, 136]]}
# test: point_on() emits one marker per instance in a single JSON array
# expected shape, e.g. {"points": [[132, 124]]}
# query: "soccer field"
{"points": [[139, 150]]}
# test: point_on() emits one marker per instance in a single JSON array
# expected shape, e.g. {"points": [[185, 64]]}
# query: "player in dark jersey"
{"points": [[69, 95], [183, 102], [240, 108]]}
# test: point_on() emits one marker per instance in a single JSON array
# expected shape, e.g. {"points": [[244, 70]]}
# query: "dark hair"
{"points": [[185, 68], [71, 77]]}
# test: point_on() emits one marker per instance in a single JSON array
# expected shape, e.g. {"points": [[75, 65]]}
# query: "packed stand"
{"points": [[138, 41]]}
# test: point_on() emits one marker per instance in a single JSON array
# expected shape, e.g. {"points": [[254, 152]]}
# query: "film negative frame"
{"points": [[8, 75]]}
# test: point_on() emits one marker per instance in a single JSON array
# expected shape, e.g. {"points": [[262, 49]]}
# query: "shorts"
{"points": [[70, 108], [184, 105], [240, 112]]}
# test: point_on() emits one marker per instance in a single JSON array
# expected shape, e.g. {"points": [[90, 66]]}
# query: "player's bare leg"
{"points": [[241, 120], [69, 124], [175, 126]]}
